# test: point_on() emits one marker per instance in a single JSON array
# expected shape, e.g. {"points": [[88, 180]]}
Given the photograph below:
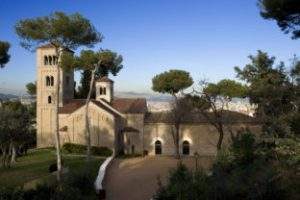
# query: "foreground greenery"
{"points": [[250, 169], [34, 167]]}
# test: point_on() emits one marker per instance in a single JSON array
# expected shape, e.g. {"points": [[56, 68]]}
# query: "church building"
{"points": [[121, 124]]}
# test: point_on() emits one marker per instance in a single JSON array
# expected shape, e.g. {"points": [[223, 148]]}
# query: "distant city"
{"points": [[155, 102]]}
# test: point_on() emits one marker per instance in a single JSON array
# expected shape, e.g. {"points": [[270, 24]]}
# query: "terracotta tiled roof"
{"points": [[123, 105], [126, 105], [71, 106], [129, 129], [229, 117], [104, 79], [45, 46], [75, 104]]}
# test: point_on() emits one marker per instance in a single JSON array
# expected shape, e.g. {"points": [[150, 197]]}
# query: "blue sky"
{"points": [[206, 38]]}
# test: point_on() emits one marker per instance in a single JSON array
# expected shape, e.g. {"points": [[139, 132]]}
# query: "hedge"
{"points": [[81, 149]]}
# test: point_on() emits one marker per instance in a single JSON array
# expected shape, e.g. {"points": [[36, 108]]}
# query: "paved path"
{"points": [[136, 178]]}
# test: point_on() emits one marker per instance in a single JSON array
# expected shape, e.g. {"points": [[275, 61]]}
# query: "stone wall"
{"points": [[202, 137], [101, 122], [134, 140]]}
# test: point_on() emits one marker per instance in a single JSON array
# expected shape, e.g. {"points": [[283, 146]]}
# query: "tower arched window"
{"points": [[101, 90], [45, 60], [48, 82], [49, 99], [51, 80], [186, 148], [54, 60], [50, 60], [158, 148], [104, 90]]}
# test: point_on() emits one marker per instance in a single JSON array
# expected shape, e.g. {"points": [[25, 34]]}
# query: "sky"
{"points": [[205, 38]]}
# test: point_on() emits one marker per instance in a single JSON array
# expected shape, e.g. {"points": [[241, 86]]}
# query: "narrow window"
{"points": [[158, 149], [45, 60], [50, 60], [55, 60], [104, 91], [51, 80], [49, 99], [100, 90], [47, 81], [186, 148]]}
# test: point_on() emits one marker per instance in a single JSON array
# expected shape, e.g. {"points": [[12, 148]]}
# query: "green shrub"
{"points": [[74, 186], [81, 149], [244, 172]]}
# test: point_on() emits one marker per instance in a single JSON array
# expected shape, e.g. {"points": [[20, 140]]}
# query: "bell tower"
{"points": [[105, 89], [47, 76]]}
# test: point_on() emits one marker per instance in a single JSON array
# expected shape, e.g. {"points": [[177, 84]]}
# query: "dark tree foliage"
{"points": [[172, 82], [4, 56], [271, 90], [108, 62], [285, 12], [84, 86], [60, 29], [31, 88]]}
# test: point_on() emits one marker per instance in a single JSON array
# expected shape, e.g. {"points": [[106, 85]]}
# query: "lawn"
{"points": [[35, 165]]}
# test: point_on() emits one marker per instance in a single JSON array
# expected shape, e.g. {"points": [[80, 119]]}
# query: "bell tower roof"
{"points": [[104, 79]]}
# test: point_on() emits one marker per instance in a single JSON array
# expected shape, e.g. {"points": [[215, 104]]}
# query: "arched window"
{"points": [[45, 60], [54, 60], [50, 60], [186, 148], [104, 90], [49, 99], [48, 81], [51, 80], [101, 91], [158, 149]]}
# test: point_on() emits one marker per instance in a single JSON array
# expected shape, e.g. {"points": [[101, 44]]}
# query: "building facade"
{"points": [[121, 124]]}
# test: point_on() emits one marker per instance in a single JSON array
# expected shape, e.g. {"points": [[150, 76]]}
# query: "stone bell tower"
{"points": [[47, 76], [105, 89]]}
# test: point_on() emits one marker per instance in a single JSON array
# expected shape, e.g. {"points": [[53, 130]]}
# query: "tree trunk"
{"points": [[13, 153], [56, 130], [221, 136], [87, 124], [176, 141]]}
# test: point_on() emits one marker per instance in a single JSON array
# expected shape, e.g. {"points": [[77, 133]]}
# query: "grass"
{"points": [[35, 165]]}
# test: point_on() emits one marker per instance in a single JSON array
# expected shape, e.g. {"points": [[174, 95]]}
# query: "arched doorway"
{"points": [[186, 148], [158, 149]]}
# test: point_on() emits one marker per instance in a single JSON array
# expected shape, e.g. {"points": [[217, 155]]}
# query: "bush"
{"points": [[81, 149], [52, 168], [74, 186], [245, 171]]}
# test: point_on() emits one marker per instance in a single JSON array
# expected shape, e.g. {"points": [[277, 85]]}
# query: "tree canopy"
{"points": [[226, 88], [270, 89], [60, 29], [31, 88], [285, 12], [108, 62], [4, 56], [172, 81]]}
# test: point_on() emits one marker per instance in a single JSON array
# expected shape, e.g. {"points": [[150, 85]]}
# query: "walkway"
{"points": [[136, 178]]}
